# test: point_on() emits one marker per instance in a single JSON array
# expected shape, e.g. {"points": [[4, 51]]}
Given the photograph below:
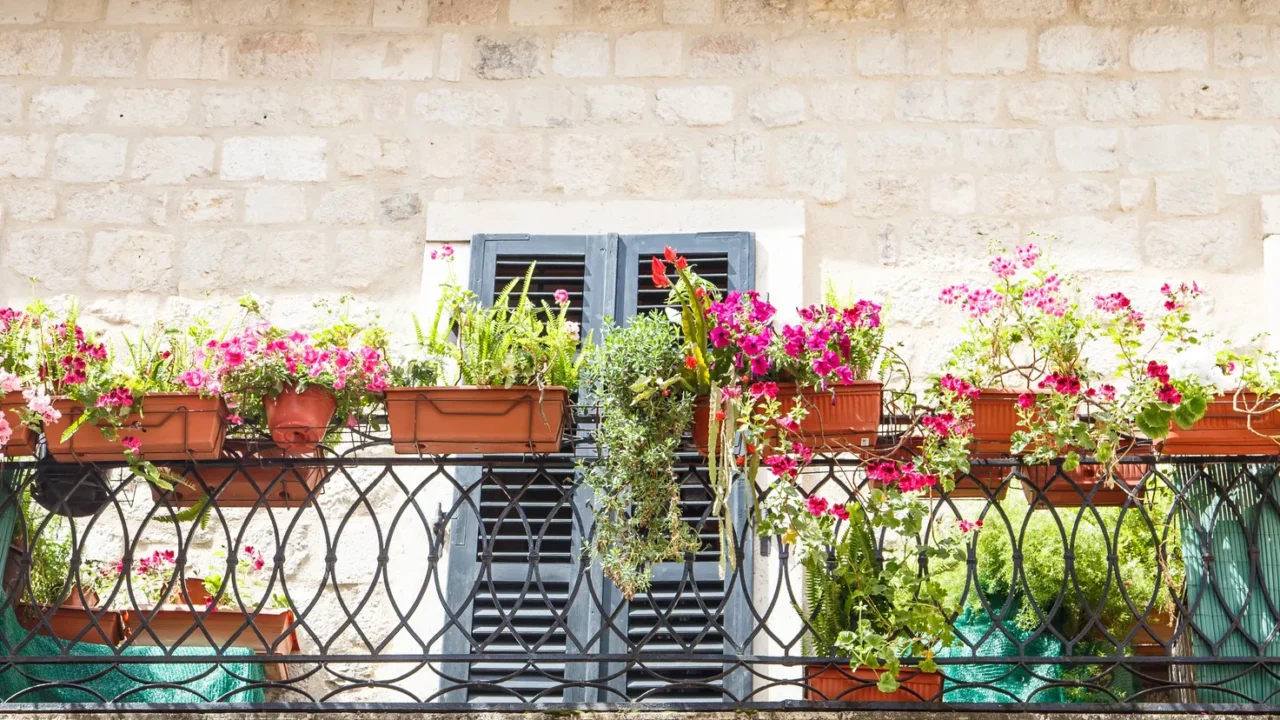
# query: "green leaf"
{"points": [[887, 682]]}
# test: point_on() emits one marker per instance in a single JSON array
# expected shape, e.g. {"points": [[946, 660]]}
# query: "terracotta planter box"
{"points": [[23, 441], [1090, 483], [466, 419], [171, 426], [249, 483], [298, 421], [845, 418], [264, 632], [839, 683], [1156, 639], [995, 420], [73, 622], [1225, 431]]}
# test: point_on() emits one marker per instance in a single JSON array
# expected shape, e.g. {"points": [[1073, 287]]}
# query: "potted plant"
{"points": [[161, 406], [39, 577], [18, 434], [228, 607], [637, 492], [515, 364], [294, 383], [871, 604], [1244, 421]]}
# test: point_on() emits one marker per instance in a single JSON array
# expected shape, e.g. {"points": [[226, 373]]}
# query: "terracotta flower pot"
{"points": [[171, 426], [1225, 431], [23, 441], [299, 420], [837, 683], [251, 482], [1156, 638], [263, 631], [1050, 485], [845, 418], [74, 620], [467, 419], [995, 420]]}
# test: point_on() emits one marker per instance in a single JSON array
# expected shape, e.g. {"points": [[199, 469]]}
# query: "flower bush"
{"points": [[1253, 370], [345, 358], [1030, 332]]}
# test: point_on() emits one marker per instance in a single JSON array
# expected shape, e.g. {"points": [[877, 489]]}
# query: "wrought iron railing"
{"points": [[402, 581]]}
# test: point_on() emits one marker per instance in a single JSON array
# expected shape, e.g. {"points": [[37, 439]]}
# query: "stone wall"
{"points": [[162, 149]]}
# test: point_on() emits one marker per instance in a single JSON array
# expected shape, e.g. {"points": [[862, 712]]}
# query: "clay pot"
{"points": [[844, 418], [837, 683], [23, 441], [171, 426], [1225, 431], [74, 621], [468, 419], [250, 482], [995, 420], [1156, 639], [299, 420], [1059, 488], [263, 631]]}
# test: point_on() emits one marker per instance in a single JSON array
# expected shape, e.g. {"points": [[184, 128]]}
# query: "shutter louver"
{"points": [[514, 572]]}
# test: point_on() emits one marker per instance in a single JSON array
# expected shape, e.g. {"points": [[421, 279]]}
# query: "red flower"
{"points": [[719, 416], [659, 270], [681, 263], [690, 362], [669, 253], [700, 292]]}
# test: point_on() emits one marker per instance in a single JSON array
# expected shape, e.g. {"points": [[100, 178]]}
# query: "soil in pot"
{"points": [[845, 418], [70, 489], [171, 426], [23, 441], [1050, 485], [299, 420], [1225, 431], [840, 683], [252, 481], [995, 420], [466, 419]]}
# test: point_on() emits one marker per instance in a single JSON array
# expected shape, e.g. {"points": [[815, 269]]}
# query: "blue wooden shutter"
{"points": [[689, 608], [517, 573]]}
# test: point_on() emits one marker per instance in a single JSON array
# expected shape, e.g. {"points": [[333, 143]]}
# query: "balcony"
{"points": [[360, 579]]}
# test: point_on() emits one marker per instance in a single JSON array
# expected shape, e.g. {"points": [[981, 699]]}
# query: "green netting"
{"points": [[184, 682], [1000, 683], [1229, 509]]}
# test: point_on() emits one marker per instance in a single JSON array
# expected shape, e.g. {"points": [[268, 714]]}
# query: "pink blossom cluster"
{"points": [[1106, 392], [818, 506], [1176, 298], [10, 317], [1118, 304], [742, 326], [1046, 297], [968, 526], [157, 563], [120, 397], [1061, 384], [76, 362], [444, 253], [41, 404], [959, 387], [905, 475], [787, 465], [9, 382], [1166, 393], [978, 302], [824, 336], [945, 424], [255, 558], [6, 431]]}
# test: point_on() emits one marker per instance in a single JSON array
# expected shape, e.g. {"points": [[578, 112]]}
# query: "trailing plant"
{"points": [[735, 354], [871, 604], [637, 491], [47, 542]]}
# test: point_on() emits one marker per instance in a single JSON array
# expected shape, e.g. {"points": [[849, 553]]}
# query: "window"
{"points": [[518, 576]]}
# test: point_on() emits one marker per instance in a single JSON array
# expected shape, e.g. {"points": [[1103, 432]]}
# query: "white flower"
{"points": [[573, 329]]}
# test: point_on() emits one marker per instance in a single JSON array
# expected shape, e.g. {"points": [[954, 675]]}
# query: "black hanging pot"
{"points": [[70, 489]]}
